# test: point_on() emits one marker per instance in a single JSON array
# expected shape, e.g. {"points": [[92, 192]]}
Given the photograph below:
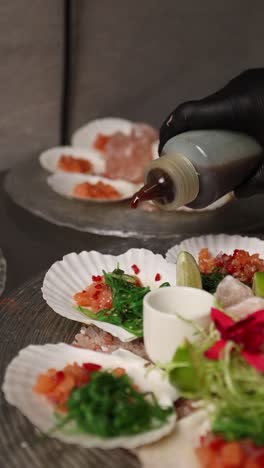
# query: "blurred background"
{"points": [[136, 59]]}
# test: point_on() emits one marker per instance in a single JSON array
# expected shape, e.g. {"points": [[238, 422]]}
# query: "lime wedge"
{"points": [[258, 284], [187, 271]]}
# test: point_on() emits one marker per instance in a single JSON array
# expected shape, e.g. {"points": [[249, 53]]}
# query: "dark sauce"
{"points": [[159, 186], [217, 180]]}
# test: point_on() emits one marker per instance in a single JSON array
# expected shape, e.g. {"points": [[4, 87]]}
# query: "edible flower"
{"points": [[248, 333]]}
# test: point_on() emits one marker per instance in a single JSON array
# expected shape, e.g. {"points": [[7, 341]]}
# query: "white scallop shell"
{"points": [[2, 272], [74, 273], [86, 135], [49, 158], [178, 445], [23, 370], [64, 183], [154, 147], [214, 206], [216, 244]]}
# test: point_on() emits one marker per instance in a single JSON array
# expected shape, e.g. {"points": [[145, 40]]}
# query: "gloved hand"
{"points": [[239, 106]]}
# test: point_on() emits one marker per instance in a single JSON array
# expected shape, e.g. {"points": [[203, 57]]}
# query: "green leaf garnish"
{"points": [[127, 302], [210, 281], [110, 406], [231, 388]]}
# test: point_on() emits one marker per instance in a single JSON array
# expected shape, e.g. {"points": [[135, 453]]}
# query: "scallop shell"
{"points": [[64, 183], [49, 158], [74, 273], [155, 147], [86, 135], [23, 370], [2, 272], [178, 445], [214, 206], [216, 244]]}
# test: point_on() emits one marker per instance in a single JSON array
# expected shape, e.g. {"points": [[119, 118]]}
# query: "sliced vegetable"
{"points": [[187, 271], [258, 284]]}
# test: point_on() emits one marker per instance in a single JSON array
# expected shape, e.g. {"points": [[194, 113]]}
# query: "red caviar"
{"points": [[157, 277]]}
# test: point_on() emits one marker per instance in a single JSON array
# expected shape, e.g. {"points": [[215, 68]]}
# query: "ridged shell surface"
{"points": [[74, 273]]}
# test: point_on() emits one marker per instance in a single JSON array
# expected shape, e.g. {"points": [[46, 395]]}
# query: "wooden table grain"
{"points": [[26, 319]]}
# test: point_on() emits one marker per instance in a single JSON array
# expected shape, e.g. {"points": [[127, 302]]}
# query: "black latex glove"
{"points": [[239, 106]]}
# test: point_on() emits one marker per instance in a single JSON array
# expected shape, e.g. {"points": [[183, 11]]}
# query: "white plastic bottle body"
{"points": [[204, 165]]}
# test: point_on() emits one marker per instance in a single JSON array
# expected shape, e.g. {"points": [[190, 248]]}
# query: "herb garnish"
{"points": [[210, 281], [230, 387], [127, 302], [110, 406]]}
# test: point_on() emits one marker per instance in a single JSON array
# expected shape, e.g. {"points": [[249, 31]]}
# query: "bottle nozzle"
{"points": [[147, 192]]}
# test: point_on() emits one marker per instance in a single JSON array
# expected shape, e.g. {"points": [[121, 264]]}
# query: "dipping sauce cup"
{"points": [[164, 330]]}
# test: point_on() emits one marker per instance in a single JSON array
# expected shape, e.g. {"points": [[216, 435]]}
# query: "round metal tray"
{"points": [[26, 185]]}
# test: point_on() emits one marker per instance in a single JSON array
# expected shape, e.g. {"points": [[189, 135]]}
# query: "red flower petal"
{"points": [[249, 331], [255, 360], [222, 321], [258, 316], [254, 338], [215, 350]]}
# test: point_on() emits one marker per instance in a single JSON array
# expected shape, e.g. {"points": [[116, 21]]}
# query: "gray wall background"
{"points": [[135, 59]]}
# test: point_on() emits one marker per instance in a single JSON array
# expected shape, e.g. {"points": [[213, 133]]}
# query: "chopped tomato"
{"points": [[99, 191], [61, 392], [206, 456], [138, 282], [46, 382], [101, 141], [57, 386], [206, 261], [232, 455], [214, 452], [240, 264], [97, 278], [119, 371], [72, 164], [91, 367], [251, 463], [135, 269], [94, 298]]}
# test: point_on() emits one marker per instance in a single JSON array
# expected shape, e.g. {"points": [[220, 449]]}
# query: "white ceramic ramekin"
{"points": [[166, 312]]}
